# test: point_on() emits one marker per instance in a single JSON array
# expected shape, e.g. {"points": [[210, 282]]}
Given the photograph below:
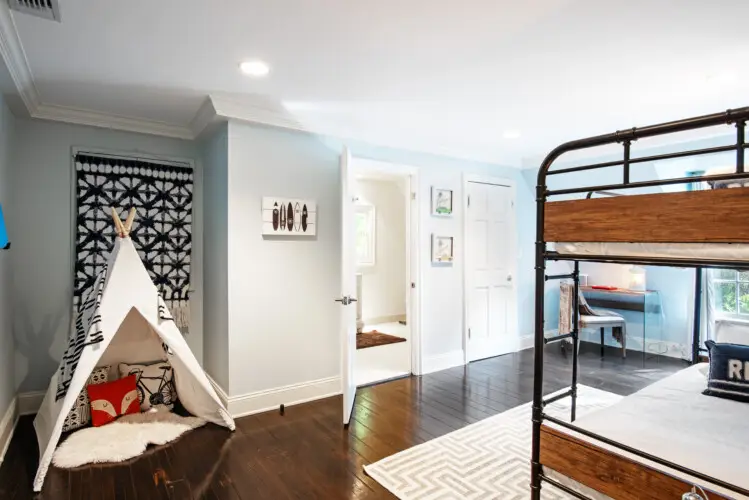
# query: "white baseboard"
{"points": [[393, 318], [220, 392], [526, 342], [8, 426], [271, 399], [443, 361], [30, 402]]}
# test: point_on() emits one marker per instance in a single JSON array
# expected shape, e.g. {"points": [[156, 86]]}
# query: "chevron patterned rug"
{"points": [[488, 459]]}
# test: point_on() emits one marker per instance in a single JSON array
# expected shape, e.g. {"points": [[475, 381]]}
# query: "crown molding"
{"points": [[256, 112], [205, 115], [105, 120], [15, 59], [277, 116], [213, 109], [12, 52]]}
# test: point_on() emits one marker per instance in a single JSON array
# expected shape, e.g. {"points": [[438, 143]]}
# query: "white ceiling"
{"points": [[430, 75]]}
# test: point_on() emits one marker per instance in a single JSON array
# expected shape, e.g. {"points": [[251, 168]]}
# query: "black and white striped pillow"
{"points": [[729, 371], [80, 414]]}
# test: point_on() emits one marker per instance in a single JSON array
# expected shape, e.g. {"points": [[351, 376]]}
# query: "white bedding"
{"points": [[715, 251], [673, 420]]}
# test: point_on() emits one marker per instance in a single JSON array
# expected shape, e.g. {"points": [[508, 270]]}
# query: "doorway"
{"points": [[383, 337], [380, 265], [490, 290]]}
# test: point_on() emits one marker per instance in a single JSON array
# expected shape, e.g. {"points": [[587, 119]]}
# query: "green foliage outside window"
{"points": [[731, 291]]}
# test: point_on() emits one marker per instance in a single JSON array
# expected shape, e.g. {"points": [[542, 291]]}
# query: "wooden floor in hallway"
{"points": [[306, 453]]}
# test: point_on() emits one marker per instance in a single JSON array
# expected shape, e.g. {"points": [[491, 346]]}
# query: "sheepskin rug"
{"points": [[123, 439]]}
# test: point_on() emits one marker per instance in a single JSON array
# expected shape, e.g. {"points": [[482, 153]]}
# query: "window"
{"points": [[365, 221], [731, 292]]}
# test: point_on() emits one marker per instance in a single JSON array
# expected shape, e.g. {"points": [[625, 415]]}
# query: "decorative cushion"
{"points": [[80, 414], [112, 400], [729, 371], [155, 383]]}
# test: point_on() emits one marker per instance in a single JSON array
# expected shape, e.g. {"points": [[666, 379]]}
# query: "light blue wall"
{"points": [[676, 286], [525, 208], [215, 150], [7, 141], [271, 348]]}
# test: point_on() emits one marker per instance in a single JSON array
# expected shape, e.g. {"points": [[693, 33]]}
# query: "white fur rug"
{"points": [[125, 438]]}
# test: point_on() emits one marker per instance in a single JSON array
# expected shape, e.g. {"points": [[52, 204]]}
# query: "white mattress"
{"points": [[673, 420], [715, 251]]}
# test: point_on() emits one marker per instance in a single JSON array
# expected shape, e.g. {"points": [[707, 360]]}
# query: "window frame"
{"points": [[737, 282], [371, 212]]}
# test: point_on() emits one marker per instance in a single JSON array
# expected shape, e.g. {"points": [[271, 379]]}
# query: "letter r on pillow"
{"points": [[734, 369]]}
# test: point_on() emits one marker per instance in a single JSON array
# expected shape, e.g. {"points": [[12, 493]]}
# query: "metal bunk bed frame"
{"points": [[739, 117]]}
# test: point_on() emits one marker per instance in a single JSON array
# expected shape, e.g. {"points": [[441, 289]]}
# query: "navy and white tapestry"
{"points": [[162, 232]]}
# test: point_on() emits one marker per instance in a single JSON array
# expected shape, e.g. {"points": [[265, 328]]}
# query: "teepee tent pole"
{"points": [[129, 221], [118, 223]]}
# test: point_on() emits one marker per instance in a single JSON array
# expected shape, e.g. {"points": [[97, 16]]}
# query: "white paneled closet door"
{"points": [[490, 255]]}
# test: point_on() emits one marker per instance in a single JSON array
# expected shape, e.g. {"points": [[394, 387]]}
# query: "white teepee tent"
{"points": [[122, 319]]}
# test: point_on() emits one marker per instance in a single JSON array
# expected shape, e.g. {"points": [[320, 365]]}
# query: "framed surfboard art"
{"points": [[289, 217]]}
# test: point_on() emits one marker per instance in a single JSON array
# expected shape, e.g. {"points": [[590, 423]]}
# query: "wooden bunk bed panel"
{"points": [[714, 216], [607, 472]]}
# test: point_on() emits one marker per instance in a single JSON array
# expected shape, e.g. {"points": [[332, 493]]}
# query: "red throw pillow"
{"points": [[112, 400]]}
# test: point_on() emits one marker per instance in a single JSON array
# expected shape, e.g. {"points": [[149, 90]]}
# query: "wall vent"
{"points": [[46, 9]]}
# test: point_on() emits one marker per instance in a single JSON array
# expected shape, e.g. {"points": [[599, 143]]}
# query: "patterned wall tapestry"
{"points": [[162, 232]]}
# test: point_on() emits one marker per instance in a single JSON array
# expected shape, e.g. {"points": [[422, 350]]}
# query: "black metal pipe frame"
{"points": [[625, 165], [658, 183], [575, 336], [559, 276], [651, 261], [737, 116], [605, 193], [697, 315], [643, 159]]}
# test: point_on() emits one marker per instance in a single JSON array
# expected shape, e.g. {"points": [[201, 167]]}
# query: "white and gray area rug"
{"points": [[488, 459]]}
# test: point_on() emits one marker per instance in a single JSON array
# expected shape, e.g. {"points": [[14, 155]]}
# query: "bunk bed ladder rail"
{"points": [[737, 116]]}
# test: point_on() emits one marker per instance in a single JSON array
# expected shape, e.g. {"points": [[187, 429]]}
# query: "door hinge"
{"points": [[469, 200], [413, 285], [413, 196], [469, 333]]}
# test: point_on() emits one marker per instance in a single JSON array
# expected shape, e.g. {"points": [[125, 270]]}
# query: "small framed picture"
{"points": [[442, 202], [442, 249]]}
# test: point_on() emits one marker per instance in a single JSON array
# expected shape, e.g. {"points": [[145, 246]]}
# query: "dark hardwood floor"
{"points": [[306, 453]]}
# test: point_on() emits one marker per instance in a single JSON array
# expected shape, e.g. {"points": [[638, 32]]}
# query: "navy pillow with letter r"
{"points": [[729, 371]]}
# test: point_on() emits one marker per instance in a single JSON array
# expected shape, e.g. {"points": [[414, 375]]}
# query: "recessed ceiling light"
{"points": [[255, 68], [511, 134]]}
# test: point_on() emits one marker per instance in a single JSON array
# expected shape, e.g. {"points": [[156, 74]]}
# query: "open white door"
{"points": [[348, 288], [490, 249]]}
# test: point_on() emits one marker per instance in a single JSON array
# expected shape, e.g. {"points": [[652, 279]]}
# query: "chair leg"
{"points": [[602, 331], [624, 341]]}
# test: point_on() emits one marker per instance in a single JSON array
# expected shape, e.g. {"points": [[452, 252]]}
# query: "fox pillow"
{"points": [[112, 400]]}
